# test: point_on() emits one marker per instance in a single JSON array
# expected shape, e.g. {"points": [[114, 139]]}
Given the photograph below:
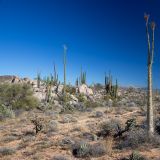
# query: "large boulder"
{"points": [[84, 89], [27, 80], [74, 98], [60, 88], [16, 80], [34, 83], [40, 95]]}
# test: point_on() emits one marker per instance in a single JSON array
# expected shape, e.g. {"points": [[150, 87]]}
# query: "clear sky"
{"points": [[101, 35]]}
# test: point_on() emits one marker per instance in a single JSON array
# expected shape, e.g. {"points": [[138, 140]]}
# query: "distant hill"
{"points": [[8, 78]]}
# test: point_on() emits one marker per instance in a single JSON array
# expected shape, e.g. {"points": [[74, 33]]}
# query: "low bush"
{"points": [[135, 156], [81, 149], [134, 139], [6, 151], [138, 137], [84, 150], [97, 150], [6, 112], [109, 128], [81, 98]]}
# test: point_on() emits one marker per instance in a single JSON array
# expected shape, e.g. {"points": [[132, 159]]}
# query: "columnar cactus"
{"points": [[77, 82], [83, 77], [111, 89], [55, 78], [64, 64], [38, 80]]}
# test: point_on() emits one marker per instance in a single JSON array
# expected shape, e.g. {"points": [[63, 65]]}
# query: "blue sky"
{"points": [[101, 35]]}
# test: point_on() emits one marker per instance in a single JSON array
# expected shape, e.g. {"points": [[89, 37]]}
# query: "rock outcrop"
{"points": [[84, 89]]}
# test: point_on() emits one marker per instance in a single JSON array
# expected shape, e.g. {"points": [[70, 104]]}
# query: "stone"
{"points": [[110, 103], [54, 96], [40, 95], [60, 88], [16, 80], [26, 80], [56, 102], [74, 98], [53, 89], [84, 89]]}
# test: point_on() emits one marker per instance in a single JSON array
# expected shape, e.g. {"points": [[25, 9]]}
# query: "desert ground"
{"points": [[87, 130]]}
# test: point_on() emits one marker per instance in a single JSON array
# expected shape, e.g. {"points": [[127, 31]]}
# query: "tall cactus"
{"points": [[83, 77], [150, 115], [77, 82], [64, 64], [55, 77], [38, 80], [116, 89]]}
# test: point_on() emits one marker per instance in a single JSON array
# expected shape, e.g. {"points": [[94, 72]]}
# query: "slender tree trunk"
{"points": [[150, 112], [150, 117]]}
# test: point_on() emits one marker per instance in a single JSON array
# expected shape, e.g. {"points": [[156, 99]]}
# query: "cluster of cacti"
{"points": [[48, 84], [83, 78], [111, 89], [48, 93]]}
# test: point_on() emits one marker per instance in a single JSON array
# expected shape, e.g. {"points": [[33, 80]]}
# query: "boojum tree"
{"points": [[150, 43]]}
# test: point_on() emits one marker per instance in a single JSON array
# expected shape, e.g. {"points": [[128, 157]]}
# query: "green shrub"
{"points": [[91, 104], [81, 98], [70, 89], [5, 112], [17, 96]]}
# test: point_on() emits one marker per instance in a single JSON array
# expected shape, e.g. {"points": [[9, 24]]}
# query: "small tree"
{"points": [[150, 116]]}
